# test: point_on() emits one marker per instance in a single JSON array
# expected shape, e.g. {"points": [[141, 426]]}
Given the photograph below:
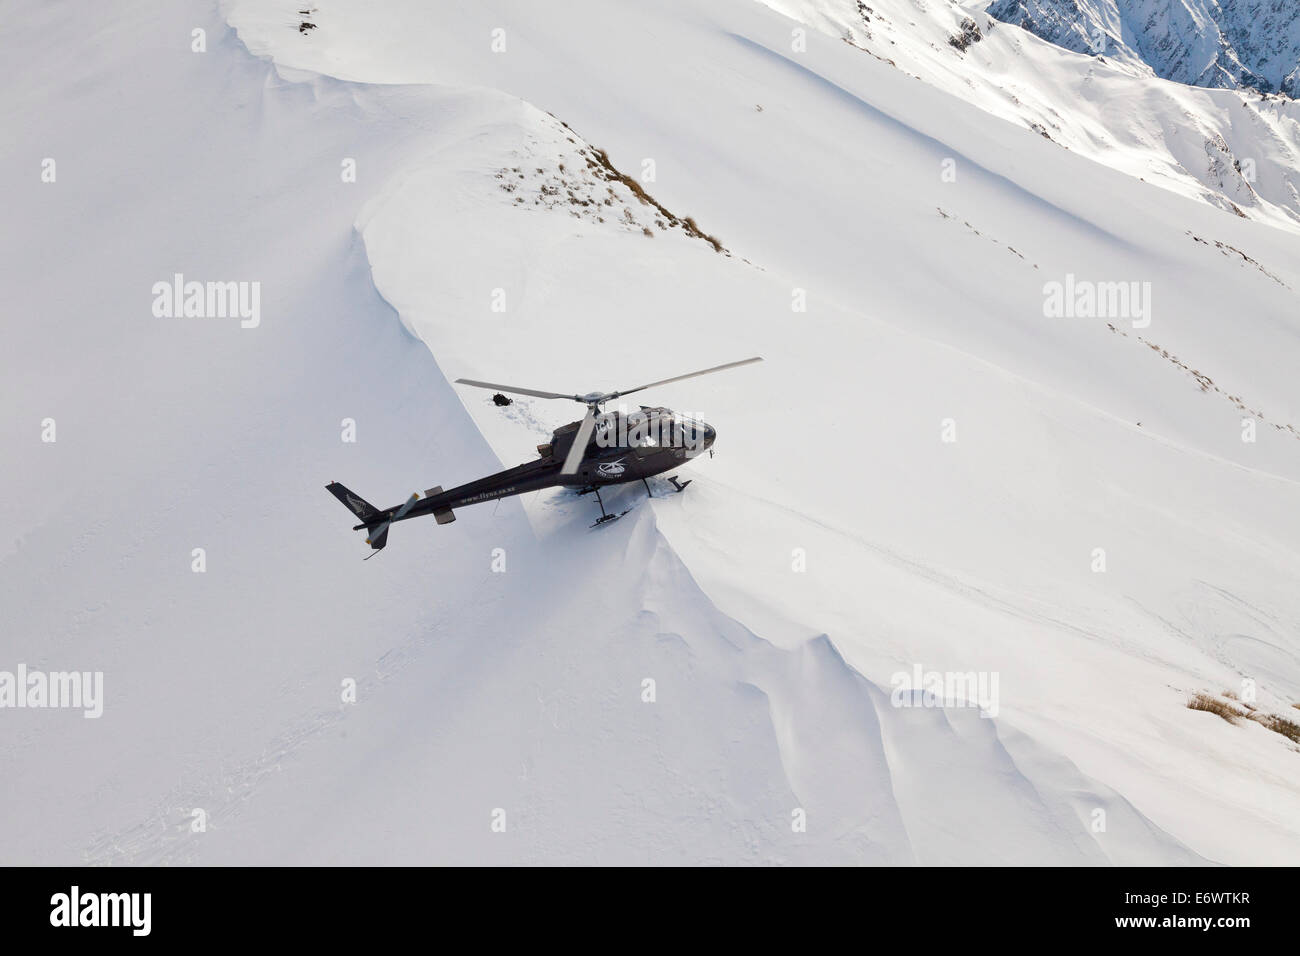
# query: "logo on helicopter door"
{"points": [[611, 469]]}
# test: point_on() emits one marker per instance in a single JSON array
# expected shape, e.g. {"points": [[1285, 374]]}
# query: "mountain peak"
{"points": [[1223, 44]]}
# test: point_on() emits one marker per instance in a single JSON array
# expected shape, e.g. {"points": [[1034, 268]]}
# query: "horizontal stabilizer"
{"points": [[375, 522], [441, 515]]}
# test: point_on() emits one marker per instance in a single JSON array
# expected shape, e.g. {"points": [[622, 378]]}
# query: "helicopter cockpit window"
{"points": [[643, 435], [688, 433], [644, 446]]}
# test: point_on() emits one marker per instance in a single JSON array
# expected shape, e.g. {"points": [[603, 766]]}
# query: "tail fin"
{"points": [[355, 503], [370, 516]]}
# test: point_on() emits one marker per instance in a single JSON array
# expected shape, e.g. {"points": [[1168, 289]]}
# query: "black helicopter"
{"points": [[601, 449]]}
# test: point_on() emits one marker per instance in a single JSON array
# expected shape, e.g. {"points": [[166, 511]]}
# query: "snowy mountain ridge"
{"points": [[1228, 44], [1239, 154]]}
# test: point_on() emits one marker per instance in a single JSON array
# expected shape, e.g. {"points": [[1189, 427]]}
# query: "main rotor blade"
{"points": [[515, 389], [678, 378], [579, 447]]}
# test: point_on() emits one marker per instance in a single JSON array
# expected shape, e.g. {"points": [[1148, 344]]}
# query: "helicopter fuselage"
{"points": [[602, 449], [624, 447]]}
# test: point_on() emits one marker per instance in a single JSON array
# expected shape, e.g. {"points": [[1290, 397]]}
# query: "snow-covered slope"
{"points": [[836, 541], [1221, 43], [1238, 153]]}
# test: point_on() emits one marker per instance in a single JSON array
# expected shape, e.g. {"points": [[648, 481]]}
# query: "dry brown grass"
{"points": [[1279, 725], [693, 230], [1228, 706], [605, 168], [1213, 705]]}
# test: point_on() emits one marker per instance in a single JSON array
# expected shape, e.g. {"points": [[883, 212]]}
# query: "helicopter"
{"points": [[602, 449]]}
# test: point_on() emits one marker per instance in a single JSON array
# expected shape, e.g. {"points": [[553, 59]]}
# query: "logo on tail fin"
{"points": [[358, 506]]}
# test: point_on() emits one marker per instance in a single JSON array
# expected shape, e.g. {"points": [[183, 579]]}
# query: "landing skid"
{"points": [[679, 485], [606, 517]]}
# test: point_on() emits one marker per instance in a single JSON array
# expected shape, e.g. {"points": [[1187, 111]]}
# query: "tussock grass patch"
{"points": [[1228, 707], [600, 163], [1279, 725], [1213, 705]]}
